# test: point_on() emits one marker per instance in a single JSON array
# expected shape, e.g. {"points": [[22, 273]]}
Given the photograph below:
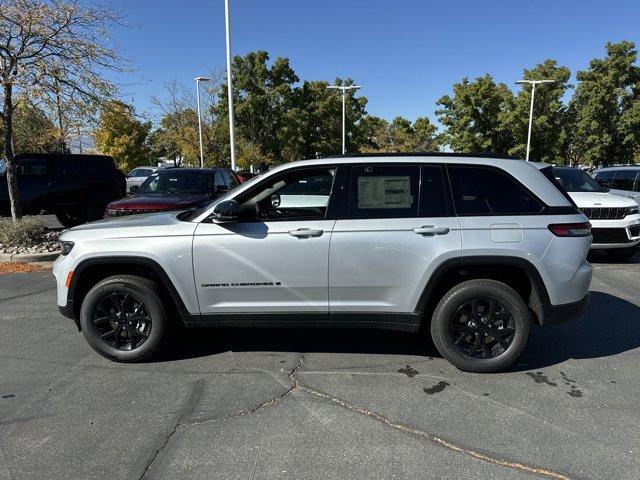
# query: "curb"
{"points": [[29, 257]]}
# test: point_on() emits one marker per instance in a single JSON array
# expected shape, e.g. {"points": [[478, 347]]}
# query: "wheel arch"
{"points": [[519, 273], [90, 271]]}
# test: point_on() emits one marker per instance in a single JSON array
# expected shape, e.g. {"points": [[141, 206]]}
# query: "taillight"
{"points": [[571, 229]]}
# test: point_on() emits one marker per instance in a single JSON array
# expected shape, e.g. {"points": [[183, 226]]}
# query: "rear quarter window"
{"points": [[489, 191]]}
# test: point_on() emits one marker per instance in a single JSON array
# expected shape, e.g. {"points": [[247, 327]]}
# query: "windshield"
{"points": [[574, 180], [176, 181]]}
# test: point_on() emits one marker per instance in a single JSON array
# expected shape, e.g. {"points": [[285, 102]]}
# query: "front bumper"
{"points": [[609, 234], [553, 314]]}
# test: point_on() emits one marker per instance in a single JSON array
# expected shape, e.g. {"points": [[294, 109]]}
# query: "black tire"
{"points": [[622, 254], [96, 320], [95, 206], [500, 312], [70, 219]]}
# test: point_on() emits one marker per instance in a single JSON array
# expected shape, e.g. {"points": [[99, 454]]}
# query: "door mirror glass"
{"points": [[226, 211], [275, 201]]}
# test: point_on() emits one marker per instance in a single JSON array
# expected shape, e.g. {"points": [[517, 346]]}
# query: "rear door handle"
{"points": [[431, 230], [305, 232]]}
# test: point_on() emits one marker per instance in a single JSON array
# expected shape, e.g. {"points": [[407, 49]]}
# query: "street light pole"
{"points": [[232, 137], [198, 80], [344, 114], [533, 94]]}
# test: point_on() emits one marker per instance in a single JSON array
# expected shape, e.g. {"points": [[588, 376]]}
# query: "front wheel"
{"points": [[123, 319], [480, 326]]}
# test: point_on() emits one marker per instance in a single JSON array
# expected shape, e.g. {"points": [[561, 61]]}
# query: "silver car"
{"points": [[470, 250], [137, 176]]}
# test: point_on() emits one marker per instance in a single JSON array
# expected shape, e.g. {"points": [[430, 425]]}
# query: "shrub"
{"points": [[25, 232]]}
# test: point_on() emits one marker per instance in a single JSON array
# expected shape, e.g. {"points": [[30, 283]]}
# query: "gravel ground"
{"points": [[319, 404]]}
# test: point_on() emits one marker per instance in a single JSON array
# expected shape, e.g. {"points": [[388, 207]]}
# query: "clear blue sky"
{"points": [[407, 54]]}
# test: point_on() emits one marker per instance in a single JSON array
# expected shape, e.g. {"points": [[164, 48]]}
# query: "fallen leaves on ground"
{"points": [[19, 267]]}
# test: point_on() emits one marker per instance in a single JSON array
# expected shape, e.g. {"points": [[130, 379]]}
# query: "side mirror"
{"points": [[226, 211], [134, 188], [275, 201]]}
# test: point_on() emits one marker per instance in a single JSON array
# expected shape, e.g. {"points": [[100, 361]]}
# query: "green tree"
{"points": [[549, 115], [476, 116], [606, 108], [262, 95], [400, 135], [121, 135]]}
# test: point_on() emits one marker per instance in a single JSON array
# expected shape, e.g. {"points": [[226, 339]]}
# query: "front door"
{"points": [[275, 258]]}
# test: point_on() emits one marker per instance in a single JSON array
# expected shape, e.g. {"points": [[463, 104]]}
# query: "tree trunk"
{"points": [[12, 178]]}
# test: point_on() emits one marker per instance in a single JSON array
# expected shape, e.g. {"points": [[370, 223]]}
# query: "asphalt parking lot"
{"points": [[319, 404]]}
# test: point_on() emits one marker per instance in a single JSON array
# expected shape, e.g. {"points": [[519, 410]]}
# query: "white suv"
{"points": [[468, 249], [615, 222]]}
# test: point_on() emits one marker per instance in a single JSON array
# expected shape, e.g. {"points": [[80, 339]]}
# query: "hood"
{"points": [[159, 201], [132, 226], [601, 200]]}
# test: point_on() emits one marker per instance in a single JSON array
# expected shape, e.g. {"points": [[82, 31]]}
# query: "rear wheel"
{"points": [[123, 319], [622, 253], [480, 326]]}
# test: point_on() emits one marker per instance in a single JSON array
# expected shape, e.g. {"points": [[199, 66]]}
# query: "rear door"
{"points": [[397, 227]]}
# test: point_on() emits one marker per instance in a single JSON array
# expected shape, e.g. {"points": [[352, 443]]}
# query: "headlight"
{"points": [[632, 210], [112, 213], [65, 247]]}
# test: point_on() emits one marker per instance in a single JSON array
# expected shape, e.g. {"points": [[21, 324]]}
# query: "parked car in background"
{"points": [[615, 222], [244, 175], [623, 181], [137, 176], [175, 189], [76, 188]]}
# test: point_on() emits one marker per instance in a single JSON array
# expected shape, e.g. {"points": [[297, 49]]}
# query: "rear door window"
{"points": [[624, 180], [489, 191], [384, 191], [605, 178]]}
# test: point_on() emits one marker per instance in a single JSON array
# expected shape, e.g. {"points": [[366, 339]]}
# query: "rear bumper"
{"points": [[553, 314]]}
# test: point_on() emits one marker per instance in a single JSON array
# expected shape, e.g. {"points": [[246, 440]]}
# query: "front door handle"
{"points": [[305, 232], [431, 230]]}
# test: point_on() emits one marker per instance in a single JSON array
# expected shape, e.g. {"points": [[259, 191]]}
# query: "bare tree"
{"points": [[57, 51]]}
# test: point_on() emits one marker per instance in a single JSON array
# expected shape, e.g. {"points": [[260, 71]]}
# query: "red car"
{"points": [[175, 189]]}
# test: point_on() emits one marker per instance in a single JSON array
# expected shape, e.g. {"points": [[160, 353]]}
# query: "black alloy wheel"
{"points": [[482, 328], [122, 321], [480, 325]]}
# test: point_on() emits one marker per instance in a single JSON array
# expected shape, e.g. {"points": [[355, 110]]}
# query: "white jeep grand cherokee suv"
{"points": [[468, 249], [615, 222]]}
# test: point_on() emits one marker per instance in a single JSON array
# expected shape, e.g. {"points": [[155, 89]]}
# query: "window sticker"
{"points": [[384, 192]]}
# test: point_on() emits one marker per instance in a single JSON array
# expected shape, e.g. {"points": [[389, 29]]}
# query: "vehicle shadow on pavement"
{"points": [[210, 341], [609, 326]]}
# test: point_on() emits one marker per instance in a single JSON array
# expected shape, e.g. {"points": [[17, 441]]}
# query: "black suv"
{"points": [[76, 188]]}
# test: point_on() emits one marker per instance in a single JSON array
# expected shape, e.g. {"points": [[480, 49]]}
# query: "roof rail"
{"points": [[424, 154]]}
